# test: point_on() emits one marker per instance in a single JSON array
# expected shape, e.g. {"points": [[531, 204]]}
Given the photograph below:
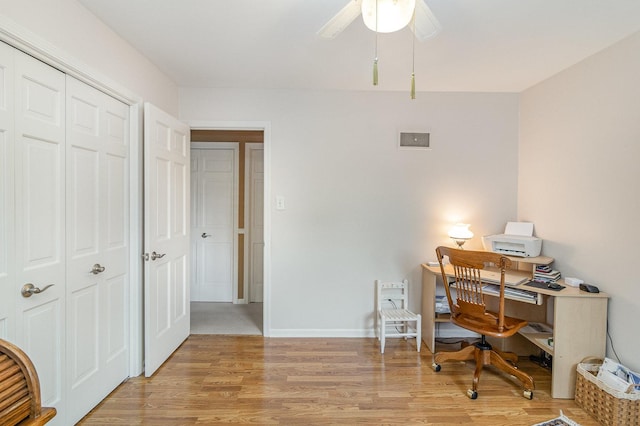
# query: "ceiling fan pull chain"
{"points": [[375, 72], [413, 58], [375, 61], [413, 85]]}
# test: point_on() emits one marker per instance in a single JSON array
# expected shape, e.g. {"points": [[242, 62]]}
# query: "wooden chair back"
{"points": [[469, 309], [20, 389]]}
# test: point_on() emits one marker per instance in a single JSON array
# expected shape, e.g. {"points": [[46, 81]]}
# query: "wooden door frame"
{"points": [[265, 127], [241, 141], [250, 146]]}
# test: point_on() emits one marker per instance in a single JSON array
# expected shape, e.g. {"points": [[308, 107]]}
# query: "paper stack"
{"points": [[545, 274], [619, 377]]}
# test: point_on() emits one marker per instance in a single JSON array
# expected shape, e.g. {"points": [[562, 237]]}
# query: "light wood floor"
{"points": [[286, 381]]}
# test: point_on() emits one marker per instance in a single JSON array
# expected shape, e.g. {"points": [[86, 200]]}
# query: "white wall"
{"points": [[357, 208], [579, 179], [77, 35]]}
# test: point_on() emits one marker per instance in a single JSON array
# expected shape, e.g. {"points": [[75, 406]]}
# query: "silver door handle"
{"points": [[205, 235], [97, 269], [155, 255], [29, 289]]}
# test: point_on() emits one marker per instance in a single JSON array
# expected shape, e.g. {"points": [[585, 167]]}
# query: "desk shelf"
{"points": [[541, 340], [529, 263]]}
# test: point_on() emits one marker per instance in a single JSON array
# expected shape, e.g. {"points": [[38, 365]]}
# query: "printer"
{"points": [[517, 240]]}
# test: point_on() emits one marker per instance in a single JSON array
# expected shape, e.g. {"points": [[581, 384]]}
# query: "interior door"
{"points": [[166, 235], [40, 224], [213, 185], [97, 245]]}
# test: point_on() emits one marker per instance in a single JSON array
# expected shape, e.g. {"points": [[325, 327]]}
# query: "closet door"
{"points": [[97, 245], [7, 240], [39, 161]]}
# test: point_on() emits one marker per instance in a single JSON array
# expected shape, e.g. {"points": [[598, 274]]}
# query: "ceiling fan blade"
{"points": [[426, 25], [341, 20]]}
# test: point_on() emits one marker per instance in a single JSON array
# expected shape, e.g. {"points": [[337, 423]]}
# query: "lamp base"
{"points": [[460, 243]]}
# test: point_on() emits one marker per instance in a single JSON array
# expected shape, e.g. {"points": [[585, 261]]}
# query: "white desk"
{"points": [[578, 319]]}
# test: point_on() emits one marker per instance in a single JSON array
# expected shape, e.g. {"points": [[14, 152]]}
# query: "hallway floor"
{"points": [[226, 318]]}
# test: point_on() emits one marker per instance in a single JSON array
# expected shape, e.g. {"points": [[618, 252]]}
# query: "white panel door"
{"points": [[166, 235], [214, 195], [256, 223], [7, 234], [40, 221], [97, 246]]}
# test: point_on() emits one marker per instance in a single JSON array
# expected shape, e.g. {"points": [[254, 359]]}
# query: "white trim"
{"points": [[329, 333], [229, 125], [30, 43], [136, 297], [266, 127]]}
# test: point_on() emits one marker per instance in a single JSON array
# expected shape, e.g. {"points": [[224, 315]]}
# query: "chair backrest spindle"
{"points": [[469, 297]]}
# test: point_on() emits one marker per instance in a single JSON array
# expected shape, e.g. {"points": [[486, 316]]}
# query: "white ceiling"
{"points": [[484, 45]]}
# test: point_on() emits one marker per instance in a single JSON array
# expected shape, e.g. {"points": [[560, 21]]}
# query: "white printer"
{"points": [[517, 240]]}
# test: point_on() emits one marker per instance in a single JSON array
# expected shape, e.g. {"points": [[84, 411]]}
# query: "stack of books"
{"points": [[545, 274]]}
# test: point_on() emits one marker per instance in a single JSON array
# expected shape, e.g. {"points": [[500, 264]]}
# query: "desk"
{"points": [[578, 319]]}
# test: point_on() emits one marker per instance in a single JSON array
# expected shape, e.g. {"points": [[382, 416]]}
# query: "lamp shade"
{"points": [[393, 15], [460, 231]]}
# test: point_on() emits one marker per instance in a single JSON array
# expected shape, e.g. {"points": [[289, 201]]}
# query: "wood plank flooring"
{"points": [[317, 381]]}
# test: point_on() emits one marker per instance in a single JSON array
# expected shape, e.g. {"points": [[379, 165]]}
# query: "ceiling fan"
{"points": [[426, 24]]}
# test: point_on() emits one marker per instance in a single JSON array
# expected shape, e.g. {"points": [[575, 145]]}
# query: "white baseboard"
{"points": [[296, 332], [444, 331]]}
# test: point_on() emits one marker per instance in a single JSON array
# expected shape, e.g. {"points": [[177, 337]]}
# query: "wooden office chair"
{"points": [[469, 311], [394, 317], [20, 389]]}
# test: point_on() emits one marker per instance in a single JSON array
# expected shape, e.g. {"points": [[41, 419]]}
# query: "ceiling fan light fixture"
{"points": [[393, 15]]}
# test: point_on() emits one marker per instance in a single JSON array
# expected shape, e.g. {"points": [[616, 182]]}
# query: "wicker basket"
{"points": [[607, 405]]}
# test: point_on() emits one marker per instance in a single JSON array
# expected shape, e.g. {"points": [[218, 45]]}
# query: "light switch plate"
{"points": [[279, 202]]}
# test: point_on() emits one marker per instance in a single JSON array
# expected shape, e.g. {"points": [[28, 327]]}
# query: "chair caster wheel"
{"points": [[528, 394], [472, 394], [436, 367]]}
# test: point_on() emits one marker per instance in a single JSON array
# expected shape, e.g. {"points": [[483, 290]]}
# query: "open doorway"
{"points": [[227, 244]]}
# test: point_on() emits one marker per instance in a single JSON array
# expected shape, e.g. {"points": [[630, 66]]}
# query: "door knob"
{"points": [[155, 255], [97, 269], [205, 235], [29, 289]]}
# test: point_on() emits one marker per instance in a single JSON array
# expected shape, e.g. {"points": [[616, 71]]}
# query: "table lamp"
{"points": [[460, 233]]}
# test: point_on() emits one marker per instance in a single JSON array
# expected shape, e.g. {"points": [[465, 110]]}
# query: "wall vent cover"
{"points": [[414, 140]]}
